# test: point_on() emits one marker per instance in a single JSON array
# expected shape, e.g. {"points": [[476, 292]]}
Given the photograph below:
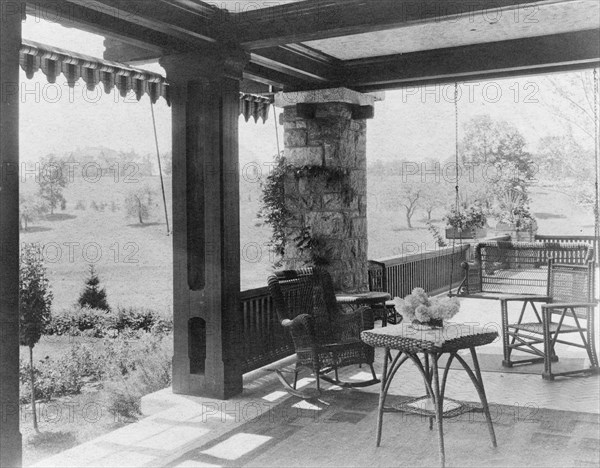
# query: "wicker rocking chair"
{"points": [[325, 338]]}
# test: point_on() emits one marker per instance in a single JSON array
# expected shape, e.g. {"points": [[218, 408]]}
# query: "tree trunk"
{"points": [[52, 201], [408, 216], [33, 410], [140, 213]]}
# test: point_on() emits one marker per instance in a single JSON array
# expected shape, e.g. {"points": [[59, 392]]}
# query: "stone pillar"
{"points": [[10, 43], [325, 138], [206, 237]]}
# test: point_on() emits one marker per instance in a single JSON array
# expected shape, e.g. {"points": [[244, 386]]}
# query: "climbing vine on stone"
{"points": [[276, 213]]}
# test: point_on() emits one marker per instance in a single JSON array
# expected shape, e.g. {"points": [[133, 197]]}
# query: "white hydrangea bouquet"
{"points": [[418, 308]]}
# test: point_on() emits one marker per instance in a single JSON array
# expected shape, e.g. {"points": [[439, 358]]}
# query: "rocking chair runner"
{"points": [[325, 338]]}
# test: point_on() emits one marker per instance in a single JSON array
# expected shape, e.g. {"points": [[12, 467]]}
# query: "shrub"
{"points": [[53, 378], [78, 321], [94, 205], [135, 318], [92, 295], [126, 322], [148, 371], [80, 205], [129, 368]]}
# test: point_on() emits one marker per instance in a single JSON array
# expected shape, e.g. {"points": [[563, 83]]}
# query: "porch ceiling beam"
{"points": [[198, 28], [278, 79], [71, 15], [545, 54], [322, 19], [300, 61]]}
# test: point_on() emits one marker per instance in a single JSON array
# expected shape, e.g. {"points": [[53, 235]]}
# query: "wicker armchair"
{"points": [[325, 338], [571, 310]]}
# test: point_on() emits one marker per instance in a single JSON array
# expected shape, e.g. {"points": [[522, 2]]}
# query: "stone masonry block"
{"points": [[324, 131], [305, 156], [359, 227], [358, 182], [334, 109], [295, 137], [331, 152]]}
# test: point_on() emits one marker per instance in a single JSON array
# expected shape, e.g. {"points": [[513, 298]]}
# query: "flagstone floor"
{"points": [[537, 422]]}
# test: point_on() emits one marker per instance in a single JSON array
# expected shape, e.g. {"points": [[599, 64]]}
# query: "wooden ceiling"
{"points": [[365, 45]]}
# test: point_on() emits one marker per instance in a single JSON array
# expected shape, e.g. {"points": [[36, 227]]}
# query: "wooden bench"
{"points": [[518, 272]]}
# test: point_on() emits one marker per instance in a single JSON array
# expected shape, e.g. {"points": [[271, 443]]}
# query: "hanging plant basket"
{"points": [[473, 233]]}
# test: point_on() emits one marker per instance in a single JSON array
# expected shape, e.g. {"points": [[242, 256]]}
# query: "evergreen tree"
{"points": [[92, 295], [35, 300]]}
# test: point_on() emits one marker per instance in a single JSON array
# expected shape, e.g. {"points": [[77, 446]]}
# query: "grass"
{"points": [[135, 263], [65, 423]]}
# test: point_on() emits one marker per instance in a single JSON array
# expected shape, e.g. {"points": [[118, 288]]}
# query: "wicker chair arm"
{"points": [[302, 330], [565, 305], [525, 297]]}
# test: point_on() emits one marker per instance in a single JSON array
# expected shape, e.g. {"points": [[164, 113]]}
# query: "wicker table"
{"points": [[366, 299], [412, 342]]}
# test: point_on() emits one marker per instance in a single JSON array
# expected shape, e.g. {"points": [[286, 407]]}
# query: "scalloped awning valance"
{"points": [[54, 61]]}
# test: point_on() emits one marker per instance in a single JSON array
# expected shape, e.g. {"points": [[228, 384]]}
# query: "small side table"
{"points": [[365, 299], [411, 342]]}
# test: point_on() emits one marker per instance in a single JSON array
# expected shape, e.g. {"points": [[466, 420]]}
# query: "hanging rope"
{"points": [[276, 130], [456, 187], [162, 184], [597, 163]]}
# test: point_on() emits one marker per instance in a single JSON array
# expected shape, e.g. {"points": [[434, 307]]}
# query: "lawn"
{"points": [[134, 261]]}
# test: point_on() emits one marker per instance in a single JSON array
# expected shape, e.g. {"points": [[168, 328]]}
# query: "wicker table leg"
{"points": [[478, 384], [439, 409], [382, 394], [390, 367], [505, 338]]}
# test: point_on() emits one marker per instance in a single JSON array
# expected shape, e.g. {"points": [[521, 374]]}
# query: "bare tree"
{"points": [[410, 195], [573, 99], [139, 203]]}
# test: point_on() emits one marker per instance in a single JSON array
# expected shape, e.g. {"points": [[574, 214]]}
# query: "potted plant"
{"points": [[515, 219], [468, 223], [519, 223]]}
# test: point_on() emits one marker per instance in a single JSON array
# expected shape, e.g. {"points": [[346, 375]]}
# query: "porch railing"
{"points": [[265, 341], [432, 271]]}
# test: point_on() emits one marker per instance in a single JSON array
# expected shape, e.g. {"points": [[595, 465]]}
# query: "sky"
{"points": [[411, 123]]}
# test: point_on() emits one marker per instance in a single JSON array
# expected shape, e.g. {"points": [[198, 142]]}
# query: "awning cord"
{"points": [[456, 187], [162, 184]]}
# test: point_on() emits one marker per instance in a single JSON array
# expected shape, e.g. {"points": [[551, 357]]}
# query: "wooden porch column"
{"points": [[10, 42], [206, 226]]}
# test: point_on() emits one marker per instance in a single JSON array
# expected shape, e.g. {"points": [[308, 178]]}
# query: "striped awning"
{"points": [[54, 61]]}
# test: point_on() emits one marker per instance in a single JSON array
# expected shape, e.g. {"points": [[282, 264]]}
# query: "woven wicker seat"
{"points": [[325, 338]]}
